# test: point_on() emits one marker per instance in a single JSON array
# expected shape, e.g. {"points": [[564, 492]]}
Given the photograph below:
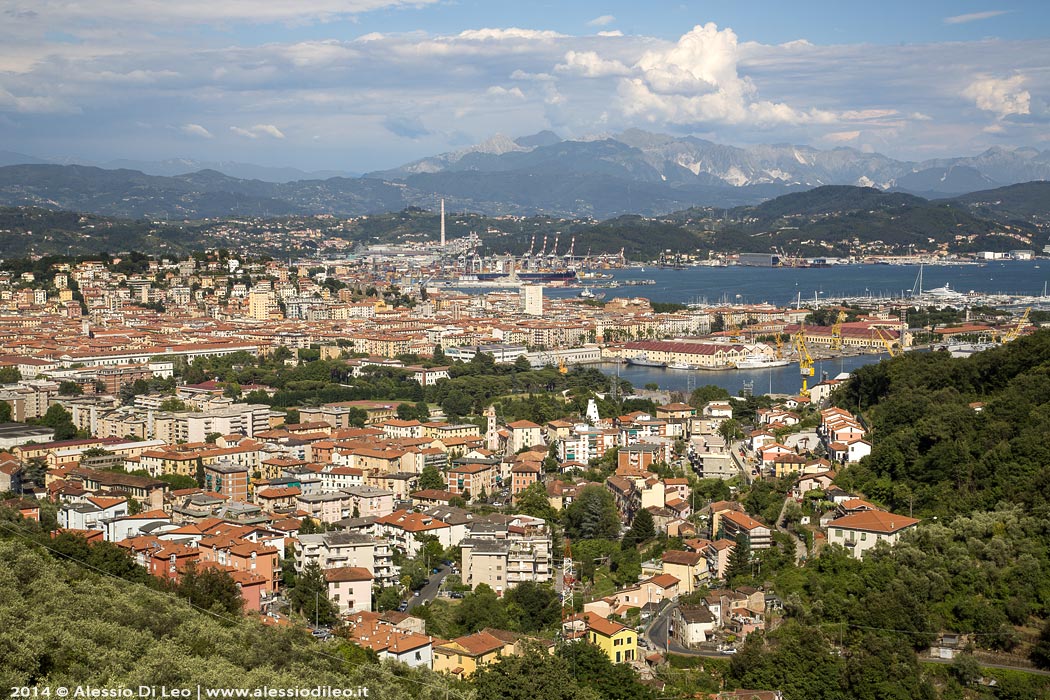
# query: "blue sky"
{"points": [[366, 84]]}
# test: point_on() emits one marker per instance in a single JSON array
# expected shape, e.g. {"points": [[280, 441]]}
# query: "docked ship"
{"points": [[644, 361], [683, 365], [760, 361]]}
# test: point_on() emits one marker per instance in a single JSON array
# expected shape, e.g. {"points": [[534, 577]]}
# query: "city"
{"points": [[473, 351]]}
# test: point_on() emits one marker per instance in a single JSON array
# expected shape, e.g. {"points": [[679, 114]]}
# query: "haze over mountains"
{"points": [[631, 172]]}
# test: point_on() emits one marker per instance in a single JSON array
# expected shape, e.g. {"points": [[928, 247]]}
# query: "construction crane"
{"points": [[1015, 332], [779, 338], [836, 331], [892, 349], [805, 360]]}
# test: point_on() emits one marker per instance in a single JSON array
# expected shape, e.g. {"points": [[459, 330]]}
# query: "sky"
{"points": [[361, 85]]}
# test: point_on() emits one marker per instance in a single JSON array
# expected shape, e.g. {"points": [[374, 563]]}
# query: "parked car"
{"points": [[403, 607]]}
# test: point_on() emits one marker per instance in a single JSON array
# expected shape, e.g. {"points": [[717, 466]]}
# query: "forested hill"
{"points": [[937, 452]]}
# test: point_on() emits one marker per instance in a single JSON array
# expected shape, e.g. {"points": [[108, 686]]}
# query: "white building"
{"points": [[860, 532], [532, 299]]}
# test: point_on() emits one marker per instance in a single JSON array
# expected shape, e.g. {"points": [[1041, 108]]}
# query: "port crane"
{"points": [[1015, 332], [779, 338], [892, 349], [836, 331], [805, 360]]}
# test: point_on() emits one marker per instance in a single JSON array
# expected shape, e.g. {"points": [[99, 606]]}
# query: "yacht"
{"points": [[760, 361]]}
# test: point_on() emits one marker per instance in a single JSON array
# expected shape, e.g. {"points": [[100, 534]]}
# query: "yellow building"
{"points": [[463, 656], [619, 643]]}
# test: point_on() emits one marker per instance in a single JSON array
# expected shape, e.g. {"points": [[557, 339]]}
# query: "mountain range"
{"points": [[633, 172]]}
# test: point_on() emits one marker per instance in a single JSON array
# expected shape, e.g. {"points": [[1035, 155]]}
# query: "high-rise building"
{"points": [[532, 299]]}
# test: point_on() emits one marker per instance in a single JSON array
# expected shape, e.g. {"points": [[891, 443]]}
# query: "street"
{"points": [[658, 638], [428, 592], [800, 546]]}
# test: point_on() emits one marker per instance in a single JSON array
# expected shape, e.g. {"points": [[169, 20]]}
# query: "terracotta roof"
{"points": [[874, 521], [675, 556], [347, 573], [743, 520], [604, 627]]}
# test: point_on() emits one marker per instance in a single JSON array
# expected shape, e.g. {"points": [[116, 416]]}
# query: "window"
{"points": [[863, 536]]}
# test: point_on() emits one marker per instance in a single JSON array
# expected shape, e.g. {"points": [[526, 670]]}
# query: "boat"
{"points": [[760, 361], [644, 361], [966, 349], [587, 293], [682, 365]]}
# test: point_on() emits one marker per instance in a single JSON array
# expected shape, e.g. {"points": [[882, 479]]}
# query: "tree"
{"points": [[642, 529], [58, 419], [68, 388], [729, 429], [651, 386], [596, 671], [481, 609], [431, 478], [533, 606], [592, 516], [199, 472], [626, 566], [703, 395], [533, 501], [309, 598], [439, 355], [739, 564], [388, 599], [211, 589], [10, 375], [172, 405], [534, 675], [5, 412], [1040, 654]]}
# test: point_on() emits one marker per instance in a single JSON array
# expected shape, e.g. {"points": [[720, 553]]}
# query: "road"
{"points": [[658, 638], [428, 592], [800, 546], [745, 471]]}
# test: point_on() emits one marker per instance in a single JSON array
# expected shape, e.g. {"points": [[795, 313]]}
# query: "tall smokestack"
{"points": [[442, 223]]}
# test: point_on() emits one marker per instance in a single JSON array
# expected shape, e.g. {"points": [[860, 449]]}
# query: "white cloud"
{"points": [[510, 33], [258, 130], [591, 65], [1002, 96], [602, 21], [498, 91], [696, 81], [58, 13], [196, 130], [841, 136], [610, 33], [974, 16]]}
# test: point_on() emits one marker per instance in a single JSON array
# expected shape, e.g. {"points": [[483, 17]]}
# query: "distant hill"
{"points": [[634, 172], [830, 220], [1027, 201]]}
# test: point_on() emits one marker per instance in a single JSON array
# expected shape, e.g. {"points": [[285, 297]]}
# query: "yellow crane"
{"points": [[805, 360], [892, 349], [780, 345], [1015, 332], [562, 369], [836, 331]]}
